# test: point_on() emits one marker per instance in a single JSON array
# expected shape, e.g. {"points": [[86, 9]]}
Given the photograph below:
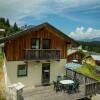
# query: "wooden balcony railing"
{"points": [[92, 88], [42, 54]]}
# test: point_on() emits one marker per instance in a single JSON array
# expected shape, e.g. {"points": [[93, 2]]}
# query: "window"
{"points": [[35, 43], [46, 43], [22, 70]]}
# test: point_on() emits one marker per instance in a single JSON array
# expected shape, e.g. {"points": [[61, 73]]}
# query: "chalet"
{"points": [[90, 60], [35, 56], [75, 54]]}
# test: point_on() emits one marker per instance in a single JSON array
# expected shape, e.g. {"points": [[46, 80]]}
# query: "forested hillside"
{"points": [[91, 46], [9, 29]]}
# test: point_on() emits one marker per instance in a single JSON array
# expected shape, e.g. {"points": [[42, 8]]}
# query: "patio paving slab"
{"points": [[48, 93]]}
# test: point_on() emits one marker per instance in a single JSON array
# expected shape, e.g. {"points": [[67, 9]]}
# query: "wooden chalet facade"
{"points": [[38, 53], [20, 47], [77, 55]]}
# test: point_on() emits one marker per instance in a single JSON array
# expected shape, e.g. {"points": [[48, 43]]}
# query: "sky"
{"points": [[79, 19]]}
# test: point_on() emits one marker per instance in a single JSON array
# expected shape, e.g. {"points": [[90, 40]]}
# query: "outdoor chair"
{"points": [[65, 88], [59, 78], [54, 84], [65, 77], [70, 89], [57, 86], [76, 86]]}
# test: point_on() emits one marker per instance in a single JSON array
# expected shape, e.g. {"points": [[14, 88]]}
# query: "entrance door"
{"points": [[45, 73]]}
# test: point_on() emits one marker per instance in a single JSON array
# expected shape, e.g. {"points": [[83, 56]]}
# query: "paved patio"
{"points": [[47, 93]]}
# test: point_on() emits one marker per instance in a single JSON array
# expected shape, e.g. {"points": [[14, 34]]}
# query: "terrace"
{"points": [[89, 86], [48, 93]]}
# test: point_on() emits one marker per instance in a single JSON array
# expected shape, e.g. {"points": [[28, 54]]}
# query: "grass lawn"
{"points": [[88, 70]]}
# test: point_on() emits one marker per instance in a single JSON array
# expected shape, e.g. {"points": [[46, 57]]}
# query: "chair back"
{"points": [[65, 77], [59, 78]]}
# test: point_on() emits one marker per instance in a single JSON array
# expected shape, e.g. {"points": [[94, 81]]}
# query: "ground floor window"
{"points": [[22, 70]]}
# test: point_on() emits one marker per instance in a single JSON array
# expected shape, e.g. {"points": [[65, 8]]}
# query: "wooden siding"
{"points": [[14, 49], [77, 55]]}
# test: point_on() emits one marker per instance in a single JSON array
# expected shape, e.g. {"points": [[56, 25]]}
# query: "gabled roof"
{"points": [[20, 33], [96, 57], [73, 51], [70, 52]]}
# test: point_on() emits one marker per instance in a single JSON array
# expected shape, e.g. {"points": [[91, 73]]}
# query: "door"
{"points": [[46, 73]]}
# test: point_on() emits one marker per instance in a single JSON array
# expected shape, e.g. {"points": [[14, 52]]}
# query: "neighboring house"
{"points": [[96, 57], [36, 56], [75, 54], [93, 59], [90, 60]]}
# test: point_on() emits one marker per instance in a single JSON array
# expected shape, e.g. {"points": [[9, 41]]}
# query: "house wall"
{"points": [[77, 55], [90, 61], [97, 62], [34, 72]]}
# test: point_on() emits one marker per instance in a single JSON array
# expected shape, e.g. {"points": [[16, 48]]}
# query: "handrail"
{"points": [[41, 54], [43, 49]]}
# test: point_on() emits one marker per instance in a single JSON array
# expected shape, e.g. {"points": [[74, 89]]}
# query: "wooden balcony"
{"points": [[42, 54]]}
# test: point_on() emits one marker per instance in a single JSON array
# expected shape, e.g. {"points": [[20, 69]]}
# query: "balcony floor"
{"points": [[47, 93]]}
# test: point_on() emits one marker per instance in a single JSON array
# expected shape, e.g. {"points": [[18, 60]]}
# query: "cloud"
{"points": [[80, 33], [16, 10]]}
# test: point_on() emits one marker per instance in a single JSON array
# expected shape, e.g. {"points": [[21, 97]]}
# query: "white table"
{"points": [[66, 82]]}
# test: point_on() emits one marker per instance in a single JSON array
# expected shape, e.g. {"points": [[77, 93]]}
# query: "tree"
{"points": [[7, 23], [2, 22], [15, 27], [9, 29]]}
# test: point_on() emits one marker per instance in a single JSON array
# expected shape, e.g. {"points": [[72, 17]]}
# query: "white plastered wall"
{"points": [[34, 72]]}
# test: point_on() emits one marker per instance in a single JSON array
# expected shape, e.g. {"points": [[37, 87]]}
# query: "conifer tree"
{"points": [[7, 23]]}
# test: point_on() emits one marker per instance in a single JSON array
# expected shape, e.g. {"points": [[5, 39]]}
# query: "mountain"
{"points": [[90, 43], [97, 39], [93, 46]]}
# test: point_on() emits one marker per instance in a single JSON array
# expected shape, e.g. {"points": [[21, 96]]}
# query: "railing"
{"points": [[92, 88], [81, 77], [41, 54]]}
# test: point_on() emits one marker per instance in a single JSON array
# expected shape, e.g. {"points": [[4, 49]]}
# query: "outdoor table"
{"points": [[65, 82]]}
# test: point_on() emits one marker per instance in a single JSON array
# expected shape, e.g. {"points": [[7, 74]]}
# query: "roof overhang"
{"points": [[35, 28]]}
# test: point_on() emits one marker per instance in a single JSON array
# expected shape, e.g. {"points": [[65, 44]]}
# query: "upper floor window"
{"points": [[35, 43], [46, 43], [22, 70]]}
